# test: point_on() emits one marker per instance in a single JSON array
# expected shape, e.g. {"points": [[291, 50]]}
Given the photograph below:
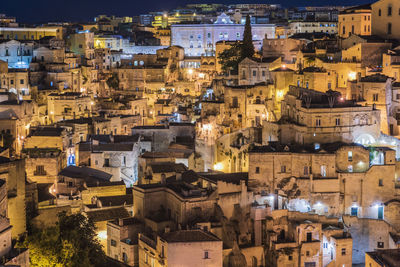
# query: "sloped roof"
{"points": [[189, 236]]}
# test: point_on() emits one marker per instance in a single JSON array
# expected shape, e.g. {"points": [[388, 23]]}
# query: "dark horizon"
{"points": [[41, 11]]}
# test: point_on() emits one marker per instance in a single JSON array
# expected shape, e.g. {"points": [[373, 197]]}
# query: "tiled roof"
{"points": [[189, 236], [85, 173], [108, 214]]}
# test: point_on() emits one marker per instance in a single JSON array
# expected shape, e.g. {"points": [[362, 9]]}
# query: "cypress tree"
{"points": [[247, 45]]}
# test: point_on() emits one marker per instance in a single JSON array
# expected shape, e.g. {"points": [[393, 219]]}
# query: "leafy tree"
{"points": [[72, 242], [113, 81], [230, 58], [247, 48]]}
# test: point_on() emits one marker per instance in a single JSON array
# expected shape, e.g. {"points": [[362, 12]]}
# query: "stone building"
{"points": [[298, 240], [285, 48], [68, 105], [13, 173], [330, 179], [18, 54], [201, 39], [254, 71], [380, 258], [385, 17], [43, 164], [376, 90], [122, 240], [309, 117], [180, 248], [355, 20]]}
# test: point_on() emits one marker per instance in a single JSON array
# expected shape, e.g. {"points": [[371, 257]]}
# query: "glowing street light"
{"points": [[352, 76], [218, 166]]}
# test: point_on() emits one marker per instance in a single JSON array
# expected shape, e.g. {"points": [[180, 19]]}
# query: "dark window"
{"points": [[381, 244], [257, 169], [380, 183], [380, 12], [40, 170], [307, 253], [309, 237], [343, 251], [305, 170], [113, 243], [389, 28], [206, 255], [283, 169], [389, 11], [106, 162], [290, 257]]}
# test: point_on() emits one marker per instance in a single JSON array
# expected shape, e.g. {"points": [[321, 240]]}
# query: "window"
{"points": [[283, 169], [343, 251], [206, 255], [263, 73], [40, 170], [381, 244], [307, 253], [254, 73], [344, 30], [375, 97], [389, 28], [257, 169], [106, 162], [305, 170], [309, 237], [113, 243], [380, 182], [354, 211], [21, 81], [380, 12], [380, 213], [350, 168], [350, 155], [389, 11], [318, 122], [124, 257], [323, 170], [337, 121], [325, 245], [290, 257]]}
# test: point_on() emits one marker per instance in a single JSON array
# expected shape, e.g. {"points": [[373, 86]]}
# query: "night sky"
{"points": [[37, 11]]}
